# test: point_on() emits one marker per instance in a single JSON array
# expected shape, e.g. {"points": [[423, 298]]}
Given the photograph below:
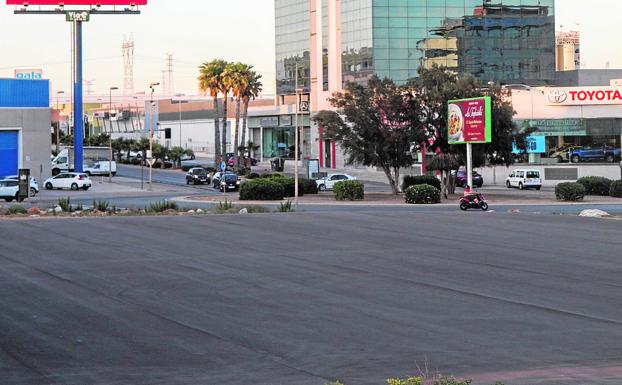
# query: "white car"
{"points": [[329, 181], [524, 178], [101, 167], [34, 185], [72, 180], [9, 189]]}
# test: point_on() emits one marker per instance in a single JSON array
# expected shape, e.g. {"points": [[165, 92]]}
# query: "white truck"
{"points": [[64, 161], [101, 167]]}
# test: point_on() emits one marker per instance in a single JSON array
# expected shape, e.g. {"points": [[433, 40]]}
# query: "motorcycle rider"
{"points": [[468, 193]]}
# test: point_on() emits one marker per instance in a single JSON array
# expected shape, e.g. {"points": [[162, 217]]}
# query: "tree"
{"points": [[237, 76], [227, 82], [253, 89], [211, 80], [378, 127]]}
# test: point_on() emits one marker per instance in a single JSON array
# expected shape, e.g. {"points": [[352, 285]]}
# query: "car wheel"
{"points": [[322, 187], [85, 188], [609, 159], [538, 188], [114, 174], [508, 184], [560, 159], [520, 186], [8, 199], [187, 181], [33, 192], [575, 159], [74, 186], [48, 186], [16, 197]]}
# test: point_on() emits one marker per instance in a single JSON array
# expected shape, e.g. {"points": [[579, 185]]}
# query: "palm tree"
{"points": [[228, 81], [253, 89], [237, 75], [211, 80]]}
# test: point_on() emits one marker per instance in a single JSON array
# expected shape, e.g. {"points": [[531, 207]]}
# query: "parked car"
{"points": [[34, 185], [9, 189], [603, 152], [227, 180], [72, 180], [197, 175], [461, 178], [562, 153], [328, 182], [186, 157], [102, 167], [524, 178]]}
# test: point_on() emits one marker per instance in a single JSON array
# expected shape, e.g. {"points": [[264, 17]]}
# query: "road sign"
{"points": [[223, 166]]}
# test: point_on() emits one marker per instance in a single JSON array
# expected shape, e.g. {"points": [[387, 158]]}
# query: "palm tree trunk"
{"points": [[237, 127], [216, 132], [244, 119], [224, 128]]}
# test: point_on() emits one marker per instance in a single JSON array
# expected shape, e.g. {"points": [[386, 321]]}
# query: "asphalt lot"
{"points": [[309, 298]]}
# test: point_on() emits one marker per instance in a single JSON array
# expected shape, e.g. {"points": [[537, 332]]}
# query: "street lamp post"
{"points": [[58, 122], [152, 85], [110, 136], [296, 139]]}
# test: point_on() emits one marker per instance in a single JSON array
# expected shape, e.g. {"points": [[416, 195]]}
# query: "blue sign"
{"points": [[535, 145], [223, 166]]}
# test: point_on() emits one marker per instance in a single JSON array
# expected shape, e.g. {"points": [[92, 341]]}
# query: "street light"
{"points": [[110, 136], [58, 122], [151, 86], [296, 140]]}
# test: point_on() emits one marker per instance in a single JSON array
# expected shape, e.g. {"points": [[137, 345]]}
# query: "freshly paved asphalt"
{"points": [[309, 298]]}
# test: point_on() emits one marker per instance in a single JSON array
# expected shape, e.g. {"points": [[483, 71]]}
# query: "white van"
{"points": [[524, 178], [101, 167]]}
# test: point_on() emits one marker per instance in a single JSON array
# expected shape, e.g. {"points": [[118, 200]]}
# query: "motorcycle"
{"points": [[475, 201]]}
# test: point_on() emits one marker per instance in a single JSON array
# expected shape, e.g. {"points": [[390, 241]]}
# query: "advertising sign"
{"points": [[535, 145], [581, 96], [469, 121], [77, 2], [29, 74], [558, 127]]}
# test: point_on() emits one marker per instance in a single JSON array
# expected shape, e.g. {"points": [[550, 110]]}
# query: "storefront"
{"points": [[275, 134], [570, 118]]}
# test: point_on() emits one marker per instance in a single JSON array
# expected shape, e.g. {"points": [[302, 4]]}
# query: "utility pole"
{"points": [[296, 142], [58, 122], [110, 136], [150, 156]]}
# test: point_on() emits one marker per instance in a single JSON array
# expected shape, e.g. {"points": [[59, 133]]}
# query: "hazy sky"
{"points": [[204, 29]]}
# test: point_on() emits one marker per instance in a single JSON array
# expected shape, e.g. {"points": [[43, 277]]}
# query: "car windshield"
{"points": [[231, 177], [533, 174]]}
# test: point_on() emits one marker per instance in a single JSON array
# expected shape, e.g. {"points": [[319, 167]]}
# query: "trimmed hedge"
{"points": [[412, 180], [569, 191], [422, 194], [262, 189], [308, 186], [349, 190], [616, 189], [596, 185], [252, 175]]}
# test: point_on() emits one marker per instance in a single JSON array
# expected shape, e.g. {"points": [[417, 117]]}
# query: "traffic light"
{"points": [[167, 133]]}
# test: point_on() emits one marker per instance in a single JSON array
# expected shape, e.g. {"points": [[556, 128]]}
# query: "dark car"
{"points": [[461, 179], [228, 181], [197, 175]]}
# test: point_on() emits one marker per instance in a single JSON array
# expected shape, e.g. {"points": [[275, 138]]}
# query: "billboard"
{"points": [[77, 2], [469, 121], [535, 145], [30, 74]]}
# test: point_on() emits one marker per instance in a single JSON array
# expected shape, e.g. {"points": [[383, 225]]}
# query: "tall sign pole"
{"points": [[78, 119]]}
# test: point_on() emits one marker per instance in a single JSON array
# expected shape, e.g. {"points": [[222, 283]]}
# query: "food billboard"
{"points": [[469, 121]]}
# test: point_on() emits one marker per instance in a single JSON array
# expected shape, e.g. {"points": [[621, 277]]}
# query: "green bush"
{"points": [[161, 206], [252, 175], [286, 207], [17, 209], [308, 186], [262, 189], [100, 205], [65, 204], [289, 185], [569, 191], [405, 381], [349, 190], [268, 175], [596, 185], [412, 180], [616, 189], [422, 194]]}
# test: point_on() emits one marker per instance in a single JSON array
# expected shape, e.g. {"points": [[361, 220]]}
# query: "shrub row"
{"points": [[422, 194], [262, 189], [349, 190], [570, 191], [412, 180], [596, 185], [616, 189]]}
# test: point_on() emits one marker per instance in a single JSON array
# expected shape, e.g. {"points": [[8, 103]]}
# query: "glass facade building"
{"points": [[506, 41]]}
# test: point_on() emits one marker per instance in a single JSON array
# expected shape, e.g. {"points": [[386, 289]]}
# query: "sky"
{"points": [[201, 30]]}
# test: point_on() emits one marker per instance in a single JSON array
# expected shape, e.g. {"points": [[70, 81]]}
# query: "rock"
{"points": [[594, 213], [243, 211], [58, 210], [200, 211], [191, 211], [34, 211], [514, 211]]}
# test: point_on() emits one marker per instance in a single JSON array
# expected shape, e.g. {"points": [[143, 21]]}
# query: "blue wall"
{"points": [[16, 93], [8, 153]]}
